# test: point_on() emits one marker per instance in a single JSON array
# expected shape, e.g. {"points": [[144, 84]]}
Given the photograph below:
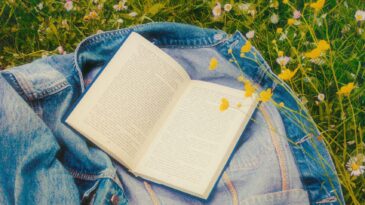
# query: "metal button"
{"points": [[114, 199]]}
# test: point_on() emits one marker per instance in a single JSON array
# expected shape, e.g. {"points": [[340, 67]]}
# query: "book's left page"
{"points": [[124, 104]]}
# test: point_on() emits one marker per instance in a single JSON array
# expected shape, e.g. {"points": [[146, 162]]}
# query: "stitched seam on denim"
{"points": [[24, 85], [91, 177], [95, 37], [118, 33], [79, 72], [32, 100], [231, 188], [50, 88], [14, 80], [152, 194], [278, 149], [190, 43]]}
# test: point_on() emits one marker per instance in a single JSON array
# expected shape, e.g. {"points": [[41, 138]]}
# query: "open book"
{"points": [[145, 111]]}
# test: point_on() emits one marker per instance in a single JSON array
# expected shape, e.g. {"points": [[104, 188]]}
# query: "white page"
{"points": [[124, 104], [197, 138]]}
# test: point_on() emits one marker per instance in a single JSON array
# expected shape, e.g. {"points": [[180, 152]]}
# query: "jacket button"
{"points": [[114, 199]]}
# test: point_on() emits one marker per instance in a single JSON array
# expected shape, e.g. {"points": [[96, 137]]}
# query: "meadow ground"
{"points": [[317, 47]]}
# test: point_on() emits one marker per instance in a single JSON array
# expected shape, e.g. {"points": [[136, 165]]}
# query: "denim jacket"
{"points": [[279, 158]]}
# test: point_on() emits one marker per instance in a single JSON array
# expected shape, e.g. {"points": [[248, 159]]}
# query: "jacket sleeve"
{"points": [[29, 170]]}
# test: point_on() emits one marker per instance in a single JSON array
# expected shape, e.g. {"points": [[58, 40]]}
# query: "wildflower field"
{"points": [[317, 47]]}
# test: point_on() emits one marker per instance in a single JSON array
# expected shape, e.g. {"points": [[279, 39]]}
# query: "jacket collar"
{"points": [[96, 50]]}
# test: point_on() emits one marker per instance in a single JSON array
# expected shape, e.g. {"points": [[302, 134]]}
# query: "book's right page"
{"points": [[190, 150]]}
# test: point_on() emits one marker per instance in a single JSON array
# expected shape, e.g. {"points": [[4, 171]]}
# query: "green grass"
{"points": [[30, 30]]}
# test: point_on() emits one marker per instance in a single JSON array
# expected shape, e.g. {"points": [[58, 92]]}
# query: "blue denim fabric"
{"points": [[278, 160]]}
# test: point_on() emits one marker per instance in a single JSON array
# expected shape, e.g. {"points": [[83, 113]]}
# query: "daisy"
{"points": [[321, 97], [217, 10], [355, 166], [360, 15], [274, 19], [68, 5], [283, 60], [296, 14], [227, 7], [120, 6], [244, 7], [250, 34]]}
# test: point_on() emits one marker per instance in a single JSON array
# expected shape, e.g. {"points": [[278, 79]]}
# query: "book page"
{"points": [[197, 138], [123, 105]]}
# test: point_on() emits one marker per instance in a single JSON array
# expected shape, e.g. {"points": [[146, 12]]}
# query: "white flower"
{"points": [[217, 10], [120, 20], [244, 7], [360, 15], [133, 14], [40, 6], [321, 97], [227, 7], [68, 5], [354, 165], [252, 12], [60, 50], [250, 34], [274, 18], [283, 60], [351, 142], [120, 6], [283, 36], [296, 14]]}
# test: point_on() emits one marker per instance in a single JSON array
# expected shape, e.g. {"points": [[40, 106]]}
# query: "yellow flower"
{"points": [[265, 95], [230, 51], [281, 104], [291, 21], [323, 45], [280, 53], [249, 89], [287, 74], [346, 89], [246, 48], [285, 1], [240, 79], [93, 14], [213, 64], [224, 104], [315, 53], [239, 104], [279, 30], [318, 5]]}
